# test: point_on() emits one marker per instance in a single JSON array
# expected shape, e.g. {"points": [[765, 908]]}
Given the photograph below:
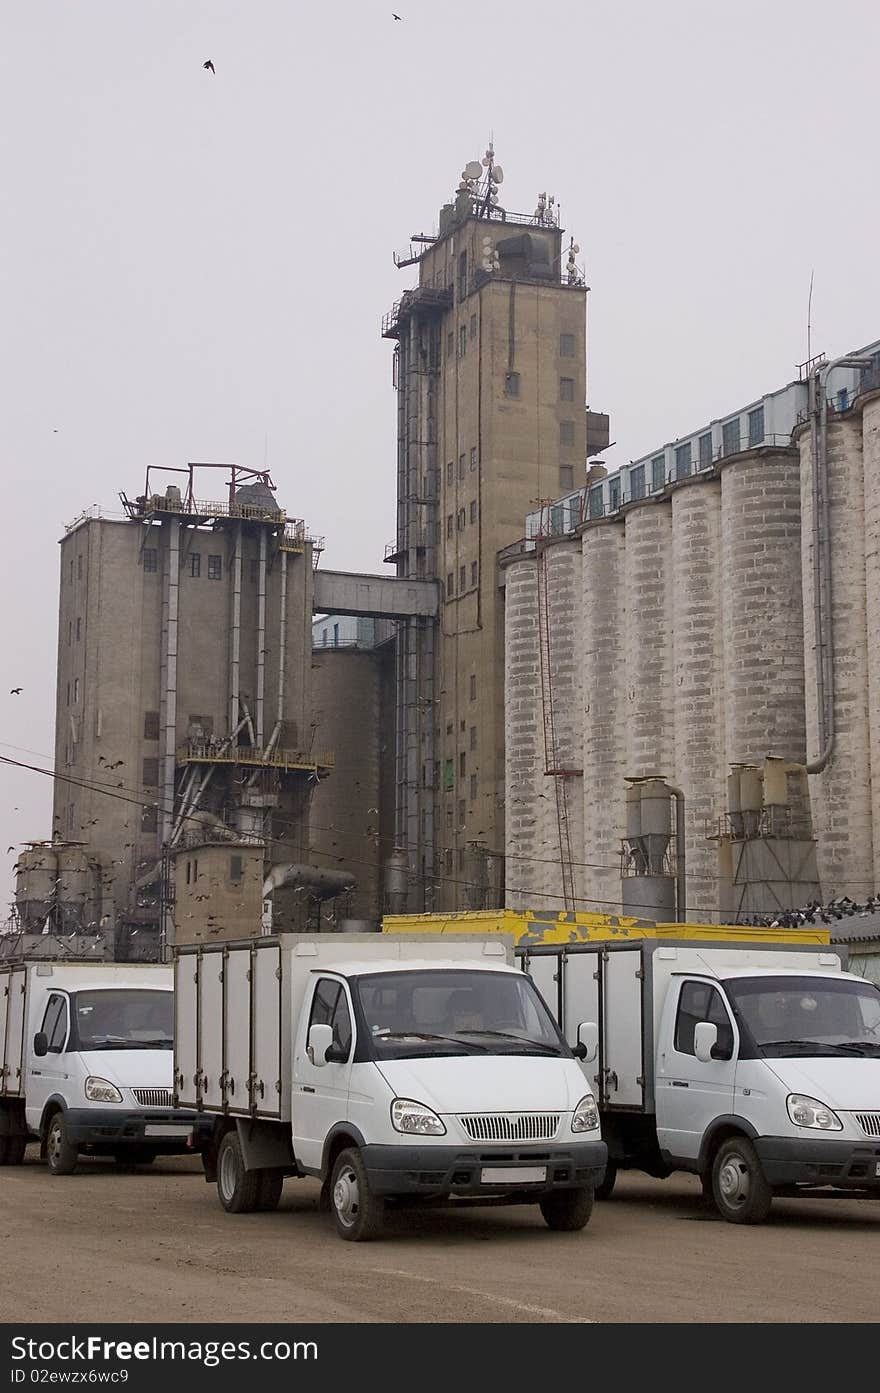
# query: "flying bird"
{"points": [[11, 848], [210, 66], [394, 16], [14, 691]]}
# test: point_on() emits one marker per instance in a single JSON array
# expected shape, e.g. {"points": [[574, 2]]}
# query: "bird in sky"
{"points": [[14, 691], [394, 16], [210, 66], [116, 765], [12, 848]]}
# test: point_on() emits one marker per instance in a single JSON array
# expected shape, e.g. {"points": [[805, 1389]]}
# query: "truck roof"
{"points": [[725, 973], [381, 965]]}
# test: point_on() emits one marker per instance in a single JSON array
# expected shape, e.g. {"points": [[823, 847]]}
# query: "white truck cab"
{"points": [[393, 1070], [757, 1067], [86, 1063]]}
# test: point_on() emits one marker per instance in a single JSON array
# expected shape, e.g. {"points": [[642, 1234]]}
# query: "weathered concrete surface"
{"points": [[341, 592]]}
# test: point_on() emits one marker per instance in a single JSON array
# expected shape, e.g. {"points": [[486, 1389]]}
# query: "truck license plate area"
{"points": [[167, 1129], [513, 1175]]}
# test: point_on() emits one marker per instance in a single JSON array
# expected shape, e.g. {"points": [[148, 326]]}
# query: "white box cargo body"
{"points": [[323, 1054], [756, 1066], [86, 1063]]}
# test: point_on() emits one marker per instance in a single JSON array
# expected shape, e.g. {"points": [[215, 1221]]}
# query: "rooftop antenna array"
{"points": [[483, 190]]}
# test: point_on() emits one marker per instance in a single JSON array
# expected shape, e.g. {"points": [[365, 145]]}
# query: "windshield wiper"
{"points": [[124, 1043], [820, 1045], [422, 1035], [520, 1039]]}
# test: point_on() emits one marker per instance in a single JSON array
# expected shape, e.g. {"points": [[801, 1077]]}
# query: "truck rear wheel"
{"points": [[61, 1154], [604, 1189], [357, 1212], [566, 1211], [739, 1189], [238, 1188], [269, 1190]]}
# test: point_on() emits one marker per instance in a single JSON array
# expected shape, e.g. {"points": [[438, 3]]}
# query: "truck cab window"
{"points": [[330, 1007], [699, 1001], [54, 1025]]}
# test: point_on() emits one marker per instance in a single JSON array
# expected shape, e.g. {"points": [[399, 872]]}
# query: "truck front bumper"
{"points": [[845, 1165], [459, 1170], [165, 1130]]}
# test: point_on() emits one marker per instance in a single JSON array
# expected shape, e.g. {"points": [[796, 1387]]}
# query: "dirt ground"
{"points": [[154, 1245]]}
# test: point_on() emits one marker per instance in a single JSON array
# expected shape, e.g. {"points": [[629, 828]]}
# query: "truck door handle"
{"points": [[677, 1083], [307, 1088]]}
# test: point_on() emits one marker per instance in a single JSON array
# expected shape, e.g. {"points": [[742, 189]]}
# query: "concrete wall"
{"points": [[218, 893]]}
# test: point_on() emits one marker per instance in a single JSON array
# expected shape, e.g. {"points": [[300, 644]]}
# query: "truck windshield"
{"points": [[122, 1018], [808, 1015], [455, 1012]]}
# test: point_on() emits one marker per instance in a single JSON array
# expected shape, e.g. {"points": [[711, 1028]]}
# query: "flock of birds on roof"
{"points": [[815, 913]]}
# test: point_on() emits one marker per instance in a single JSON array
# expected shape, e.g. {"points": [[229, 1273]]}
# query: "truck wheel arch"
{"points": [[340, 1136], [54, 1104], [720, 1129]]}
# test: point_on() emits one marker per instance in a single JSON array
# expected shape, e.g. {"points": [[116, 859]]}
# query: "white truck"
{"points": [[86, 1063], [755, 1067], [394, 1069]]}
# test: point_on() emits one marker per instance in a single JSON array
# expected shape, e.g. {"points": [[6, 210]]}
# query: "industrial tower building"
{"points": [[490, 372], [709, 615], [184, 739]]}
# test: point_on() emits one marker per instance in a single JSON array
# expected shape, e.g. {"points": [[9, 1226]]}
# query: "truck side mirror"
{"points": [[41, 1043], [320, 1041], [587, 1041], [705, 1040]]}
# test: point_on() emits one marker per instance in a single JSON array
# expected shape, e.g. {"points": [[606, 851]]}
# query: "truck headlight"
{"points": [[408, 1116], [585, 1117], [809, 1112], [102, 1091]]}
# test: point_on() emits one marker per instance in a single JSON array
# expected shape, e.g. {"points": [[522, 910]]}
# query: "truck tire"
{"points": [[739, 1189], [357, 1212], [61, 1154], [566, 1211], [269, 1190], [603, 1190], [239, 1189]]}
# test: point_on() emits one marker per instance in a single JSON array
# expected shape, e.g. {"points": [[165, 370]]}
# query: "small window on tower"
{"points": [[448, 776], [450, 471], [462, 579], [449, 524], [78, 630], [195, 564], [151, 557], [566, 476], [473, 787], [475, 572], [461, 520], [462, 275], [473, 686], [566, 389], [150, 777], [462, 341], [566, 432], [450, 585], [151, 725], [473, 737], [511, 384], [473, 326], [474, 458], [235, 868], [149, 818], [462, 764], [566, 345], [462, 462], [462, 812], [473, 510], [215, 568], [450, 344]]}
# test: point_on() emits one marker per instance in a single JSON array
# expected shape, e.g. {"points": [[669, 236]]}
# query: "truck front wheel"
{"points": [[739, 1189], [61, 1154], [566, 1211], [238, 1188], [357, 1212]]}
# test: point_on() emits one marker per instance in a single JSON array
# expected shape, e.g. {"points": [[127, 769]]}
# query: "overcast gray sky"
{"points": [[194, 266]]}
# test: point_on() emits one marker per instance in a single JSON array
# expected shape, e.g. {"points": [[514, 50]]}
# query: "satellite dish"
{"points": [[472, 170], [575, 248], [497, 174]]}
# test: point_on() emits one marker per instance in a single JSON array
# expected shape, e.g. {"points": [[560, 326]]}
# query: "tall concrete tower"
{"points": [[490, 372]]}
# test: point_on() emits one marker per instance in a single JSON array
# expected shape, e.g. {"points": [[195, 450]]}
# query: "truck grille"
{"points": [[511, 1126], [869, 1123], [153, 1097]]}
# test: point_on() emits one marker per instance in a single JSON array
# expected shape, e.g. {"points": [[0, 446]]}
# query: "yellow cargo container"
{"points": [[533, 926]]}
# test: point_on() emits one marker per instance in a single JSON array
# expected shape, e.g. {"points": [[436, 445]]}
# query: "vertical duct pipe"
{"points": [[169, 732], [261, 638], [680, 856], [235, 631]]}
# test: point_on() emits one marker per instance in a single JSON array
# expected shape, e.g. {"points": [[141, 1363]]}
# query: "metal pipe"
{"points": [[680, 857], [261, 637], [235, 632], [169, 740], [282, 654], [822, 586]]}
